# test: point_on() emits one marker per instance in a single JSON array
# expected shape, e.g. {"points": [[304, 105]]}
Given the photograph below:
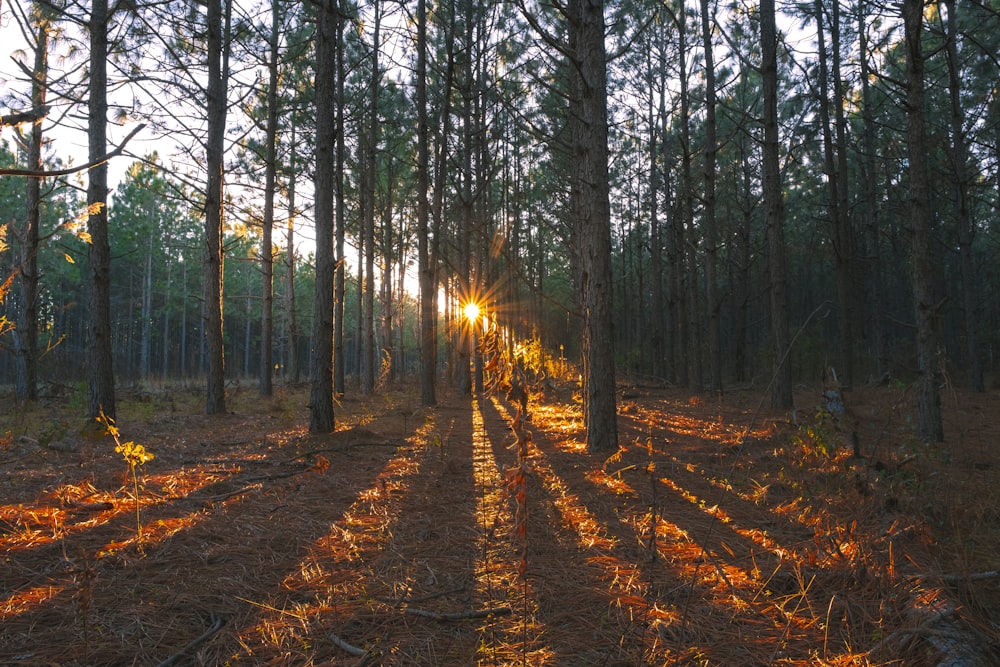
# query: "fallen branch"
{"points": [[82, 506], [395, 602], [208, 634], [458, 615], [350, 648], [976, 576]]}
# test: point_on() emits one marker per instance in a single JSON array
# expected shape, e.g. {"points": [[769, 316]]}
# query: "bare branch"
{"points": [[29, 173]]}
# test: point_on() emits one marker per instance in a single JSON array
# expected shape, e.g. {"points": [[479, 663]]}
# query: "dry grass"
{"points": [[720, 534]]}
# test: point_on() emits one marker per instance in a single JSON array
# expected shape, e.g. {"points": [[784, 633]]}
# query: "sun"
{"points": [[471, 311]]}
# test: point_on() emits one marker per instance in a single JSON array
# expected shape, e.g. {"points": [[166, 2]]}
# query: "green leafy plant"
{"points": [[135, 455], [816, 436]]}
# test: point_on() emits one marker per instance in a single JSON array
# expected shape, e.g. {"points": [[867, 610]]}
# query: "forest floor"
{"points": [[722, 533]]}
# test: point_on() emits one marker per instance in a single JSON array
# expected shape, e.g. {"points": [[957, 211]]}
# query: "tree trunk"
{"points": [[321, 417], [925, 304], [688, 247], [26, 333], [963, 217], [845, 247], [425, 272], [712, 301], [368, 216], [340, 278], [266, 251], [292, 356], [146, 344], [657, 337], [387, 305], [833, 205], [774, 212], [870, 209], [102, 379], [215, 400], [591, 216]]}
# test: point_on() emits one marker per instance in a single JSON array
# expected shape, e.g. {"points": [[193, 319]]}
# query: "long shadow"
{"points": [[578, 572], [188, 570], [428, 560], [720, 563]]}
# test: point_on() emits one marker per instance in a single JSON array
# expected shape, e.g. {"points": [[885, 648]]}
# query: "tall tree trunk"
{"points": [[774, 212], [425, 271], [930, 424], [146, 345], [215, 400], [870, 209], [321, 417], [963, 217], [845, 246], [657, 337], [292, 356], [712, 301], [689, 243], [102, 379], [266, 250], [468, 289], [368, 215], [832, 201], [26, 333], [591, 216], [386, 290], [340, 218], [167, 338]]}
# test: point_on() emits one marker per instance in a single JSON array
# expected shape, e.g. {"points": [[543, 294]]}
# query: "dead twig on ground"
{"points": [[205, 636], [458, 615]]}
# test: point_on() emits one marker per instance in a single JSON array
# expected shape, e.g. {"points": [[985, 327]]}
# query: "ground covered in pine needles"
{"points": [[721, 533]]}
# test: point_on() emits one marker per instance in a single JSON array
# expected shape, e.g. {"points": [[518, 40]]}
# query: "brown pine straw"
{"points": [[710, 538]]}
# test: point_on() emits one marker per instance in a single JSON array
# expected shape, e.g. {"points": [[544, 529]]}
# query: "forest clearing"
{"points": [[721, 533]]}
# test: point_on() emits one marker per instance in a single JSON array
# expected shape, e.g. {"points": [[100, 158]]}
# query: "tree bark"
{"points": [[424, 269], [710, 228], [270, 177], [26, 333], [368, 217], [591, 216], [340, 219], [292, 356], [870, 209], [963, 217], [102, 379], [845, 248], [321, 416], [930, 424], [215, 399], [774, 212]]}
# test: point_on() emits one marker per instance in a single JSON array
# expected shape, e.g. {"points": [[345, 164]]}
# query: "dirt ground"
{"points": [[722, 533]]}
